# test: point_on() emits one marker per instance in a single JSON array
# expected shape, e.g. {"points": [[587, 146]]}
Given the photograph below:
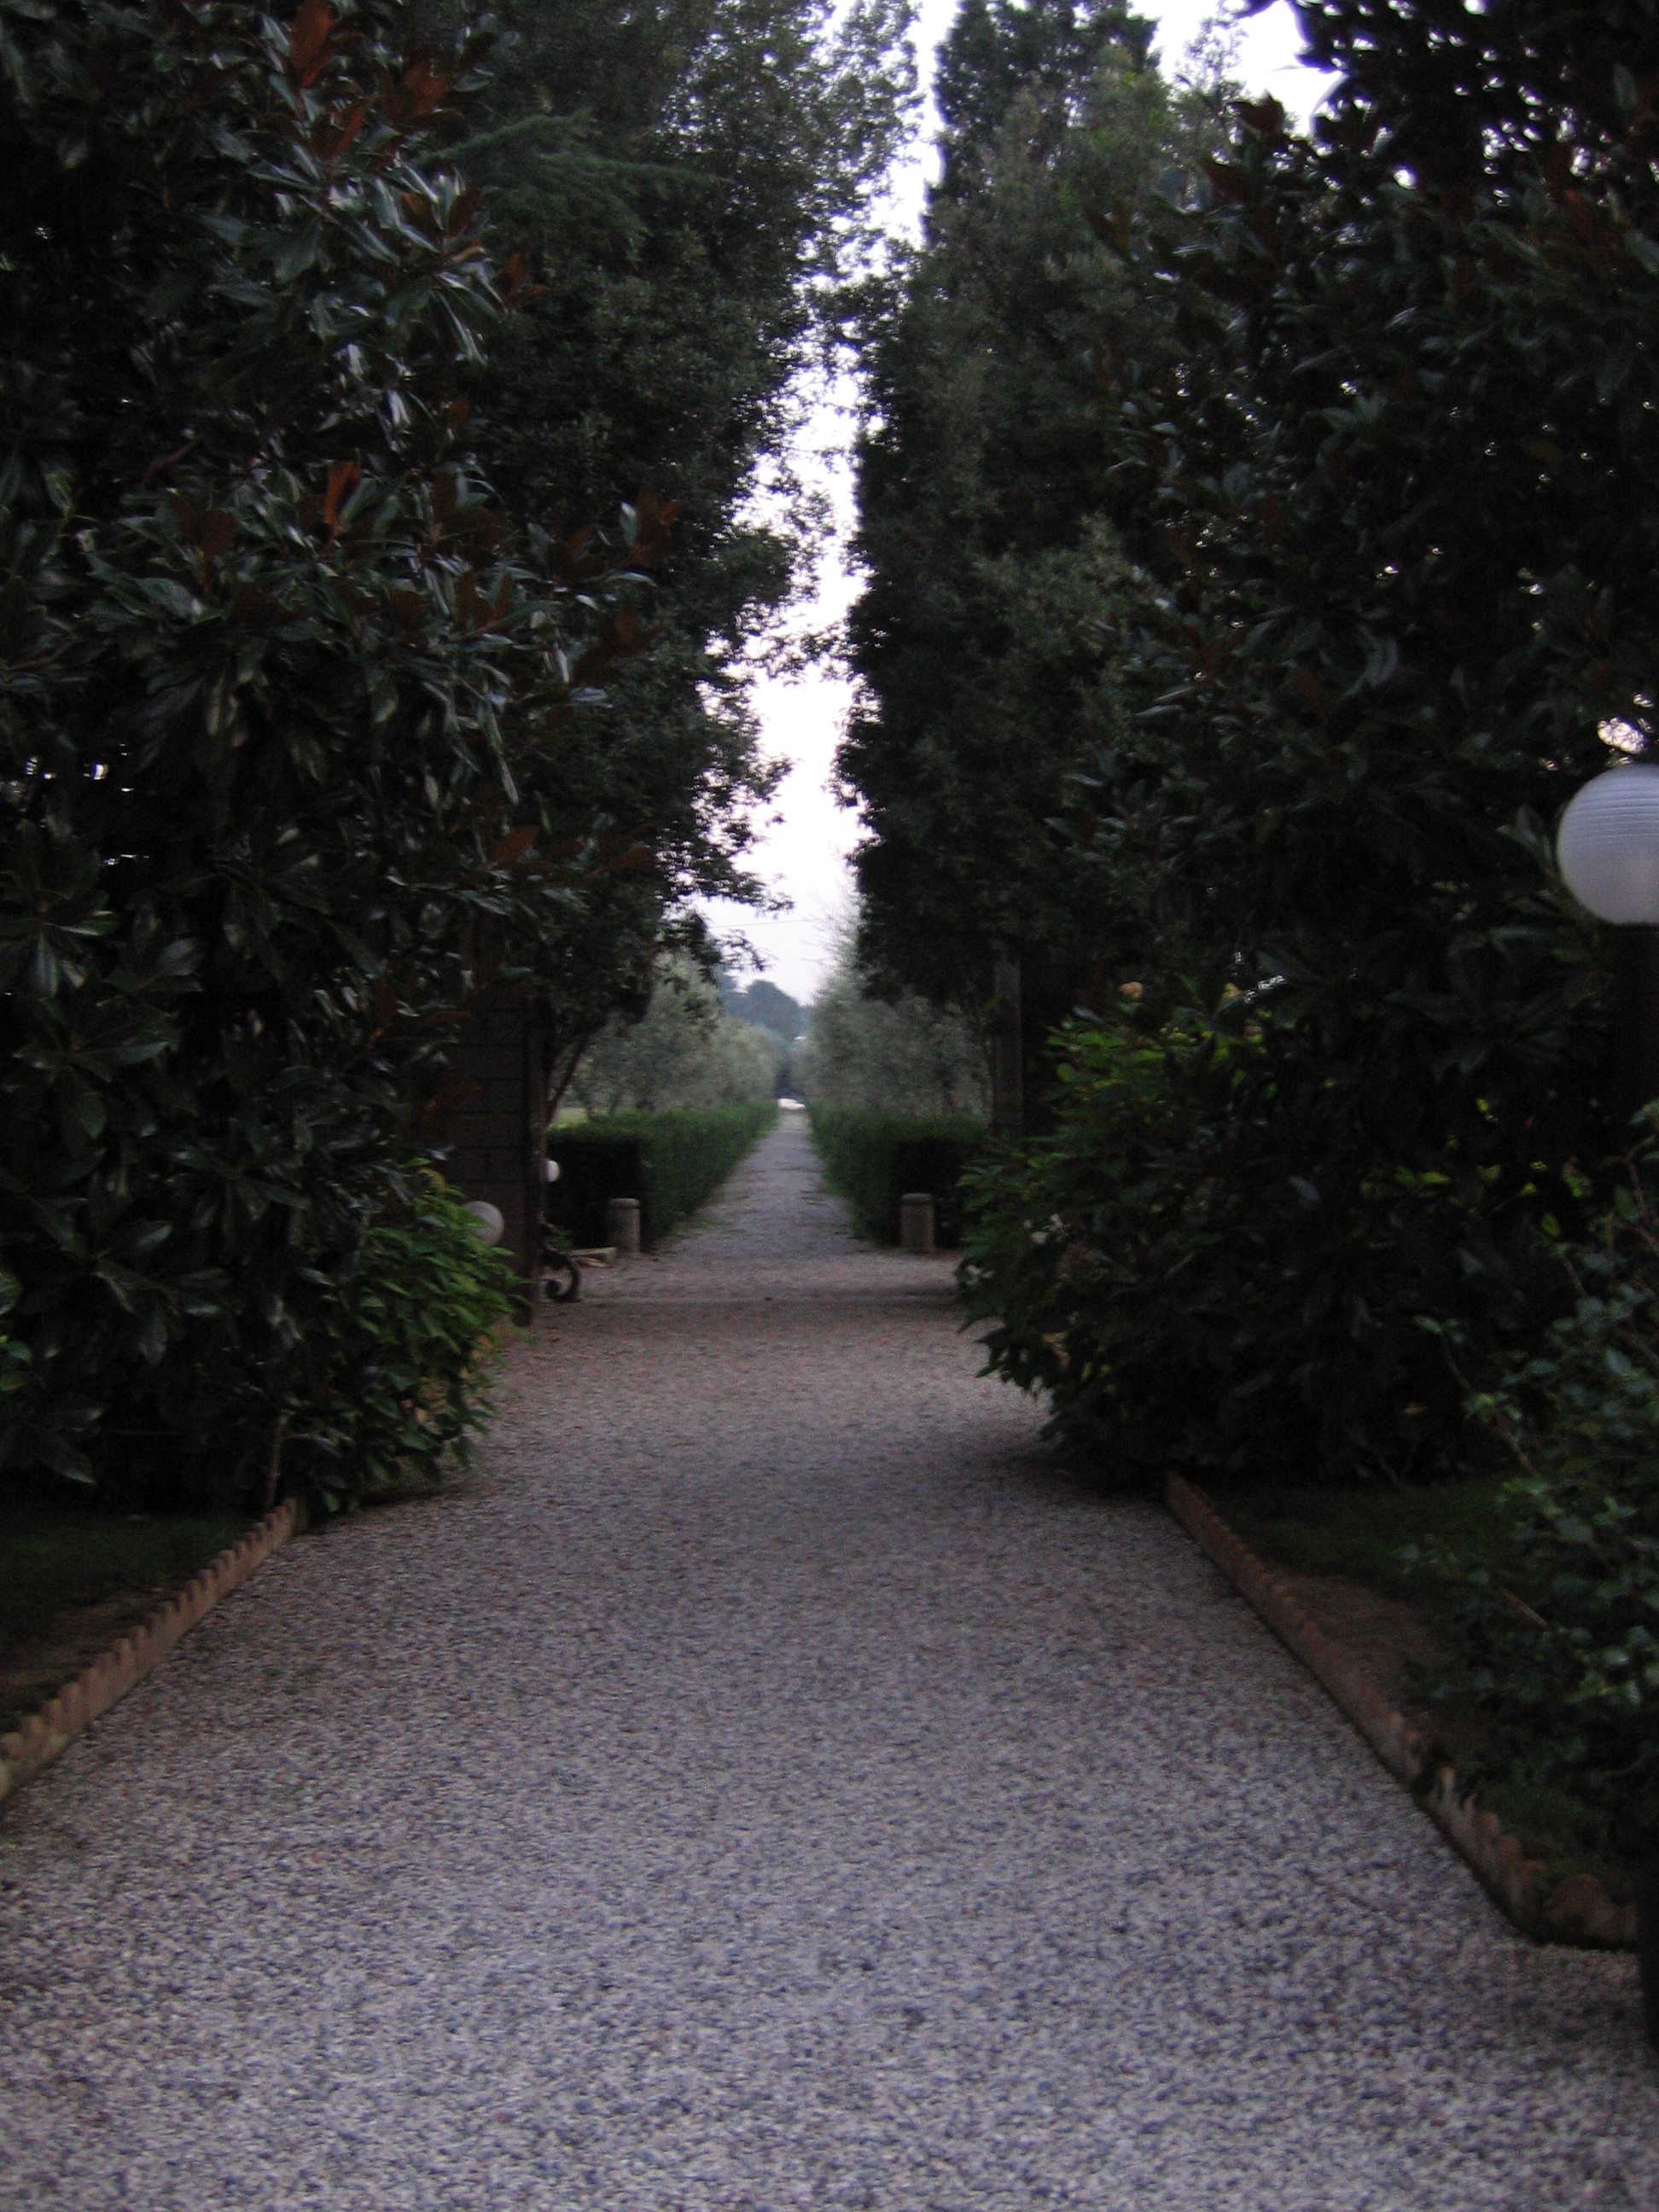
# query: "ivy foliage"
{"points": [[283, 697]]}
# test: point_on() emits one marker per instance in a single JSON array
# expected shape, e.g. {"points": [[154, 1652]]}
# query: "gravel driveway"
{"points": [[768, 1784]]}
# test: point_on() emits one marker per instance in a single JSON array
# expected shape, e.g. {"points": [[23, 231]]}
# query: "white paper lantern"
{"points": [[1608, 845]]}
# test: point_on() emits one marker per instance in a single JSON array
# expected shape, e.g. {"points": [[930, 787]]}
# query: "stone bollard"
{"points": [[622, 1226], [916, 1221]]}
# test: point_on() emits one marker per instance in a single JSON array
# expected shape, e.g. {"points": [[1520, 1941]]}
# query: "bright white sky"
{"points": [[803, 852]]}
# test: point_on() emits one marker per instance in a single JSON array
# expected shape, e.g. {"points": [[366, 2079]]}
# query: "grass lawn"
{"points": [[1359, 1535], [73, 1581], [1320, 1530]]}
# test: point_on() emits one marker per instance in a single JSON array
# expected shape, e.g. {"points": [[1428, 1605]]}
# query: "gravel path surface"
{"points": [[768, 1784]]}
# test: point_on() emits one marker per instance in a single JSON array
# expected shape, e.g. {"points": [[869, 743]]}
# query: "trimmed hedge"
{"points": [[669, 1162], [872, 1159]]}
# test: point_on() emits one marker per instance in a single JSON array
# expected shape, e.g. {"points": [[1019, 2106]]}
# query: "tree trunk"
{"points": [[1007, 1047]]}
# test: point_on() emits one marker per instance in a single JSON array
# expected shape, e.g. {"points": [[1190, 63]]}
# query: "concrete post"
{"points": [[621, 1225], [916, 1221]]}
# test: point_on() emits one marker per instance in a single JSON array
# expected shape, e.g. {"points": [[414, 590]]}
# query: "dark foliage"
{"points": [[1183, 1301], [1392, 511], [691, 183], [283, 691], [983, 659], [998, 54], [398, 1363], [1561, 1619]]}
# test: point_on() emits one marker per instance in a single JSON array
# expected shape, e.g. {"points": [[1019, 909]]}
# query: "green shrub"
{"points": [[872, 1159], [1194, 1285], [398, 1372], [1560, 1629], [669, 1162]]}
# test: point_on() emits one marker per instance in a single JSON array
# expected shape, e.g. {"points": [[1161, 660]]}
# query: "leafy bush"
{"points": [[1561, 1634], [872, 1159], [1184, 1300], [402, 1360], [669, 1162]]}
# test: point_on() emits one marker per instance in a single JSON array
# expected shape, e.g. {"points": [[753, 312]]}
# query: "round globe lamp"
{"points": [[1608, 848]]}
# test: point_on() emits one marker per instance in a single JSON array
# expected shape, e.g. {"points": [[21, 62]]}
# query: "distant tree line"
{"points": [[900, 1055], [687, 1050]]}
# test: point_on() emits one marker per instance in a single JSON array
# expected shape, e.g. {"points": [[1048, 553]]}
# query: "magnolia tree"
{"points": [[283, 700]]}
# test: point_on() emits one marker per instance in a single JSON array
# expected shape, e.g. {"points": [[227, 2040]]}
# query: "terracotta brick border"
{"points": [[51, 1730], [1577, 1911]]}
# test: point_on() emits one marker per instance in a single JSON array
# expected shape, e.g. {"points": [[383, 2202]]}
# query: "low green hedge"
{"points": [[872, 1159], [669, 1162]]}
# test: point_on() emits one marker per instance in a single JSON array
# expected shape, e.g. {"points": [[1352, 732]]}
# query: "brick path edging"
{"points": [[46, 1734], [1576, 1911]]}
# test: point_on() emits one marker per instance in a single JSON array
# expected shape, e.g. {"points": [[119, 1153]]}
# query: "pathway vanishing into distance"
{"points": [[765, 1784]]}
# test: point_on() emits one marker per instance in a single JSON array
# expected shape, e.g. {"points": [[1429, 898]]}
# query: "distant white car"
{"points": [[791, 1106]]}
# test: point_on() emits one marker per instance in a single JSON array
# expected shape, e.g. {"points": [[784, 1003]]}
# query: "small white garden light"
{"points": [[488, 1225], [1608, 849], [1609, 846]]}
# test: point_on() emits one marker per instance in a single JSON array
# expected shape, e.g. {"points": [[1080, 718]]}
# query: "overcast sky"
{"points": [[803, 854]]}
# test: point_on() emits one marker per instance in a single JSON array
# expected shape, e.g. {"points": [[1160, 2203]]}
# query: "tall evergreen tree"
{"points": [[980, 645]]}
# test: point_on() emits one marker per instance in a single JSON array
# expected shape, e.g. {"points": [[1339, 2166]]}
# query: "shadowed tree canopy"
{"points": [[998, 50], [285, 705]]}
